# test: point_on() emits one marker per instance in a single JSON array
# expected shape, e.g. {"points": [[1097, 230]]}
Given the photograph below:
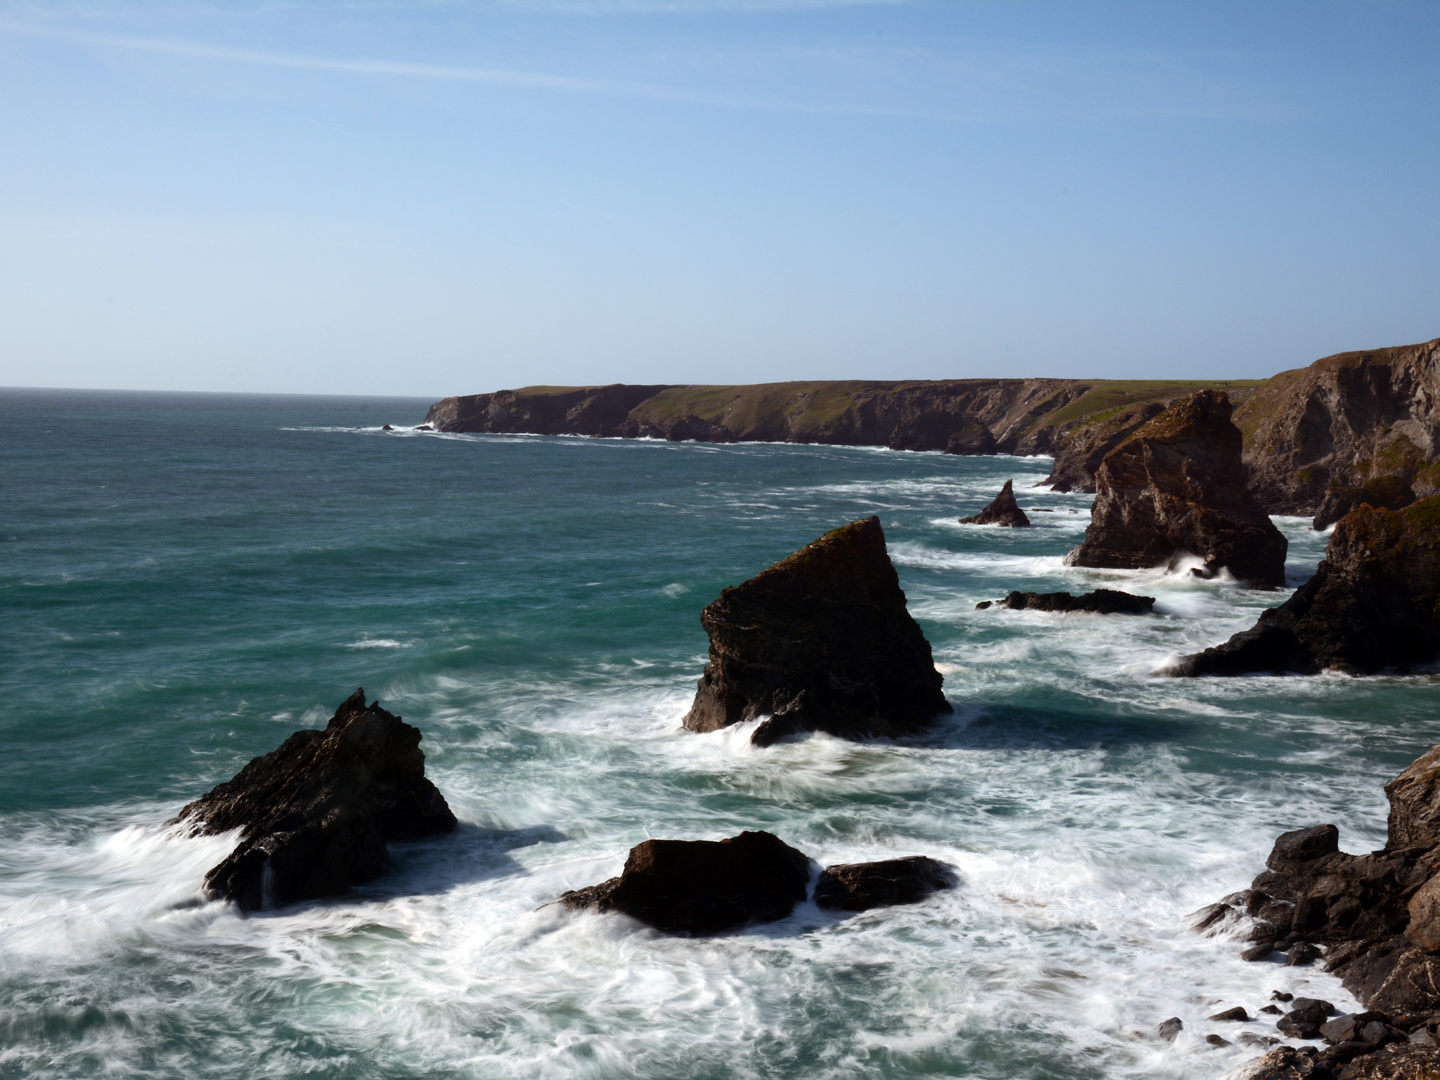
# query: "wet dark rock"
{"points": [[1003, 510], [862, 886], [1285, 1063], [387, 427], [1300, 954], [1176, 488], [1249, 1038], [1281, 995], [1373, 604], [1099, 602], [1304, 1019], [1259, 952], [1168, 1029], [1272, 1010], [1217, 1040], [984, 605], [317, 813], [703, 886], [1376, 915], [821, 641], [1347, 1051], [1238, 1013]]}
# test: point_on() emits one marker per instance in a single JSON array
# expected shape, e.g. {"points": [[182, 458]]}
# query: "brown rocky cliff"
{"points": [[1175, 487], [821, 641], [1340, 422]]}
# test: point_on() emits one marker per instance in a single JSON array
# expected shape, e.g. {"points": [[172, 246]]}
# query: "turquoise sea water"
{"points": [[185, 579]]}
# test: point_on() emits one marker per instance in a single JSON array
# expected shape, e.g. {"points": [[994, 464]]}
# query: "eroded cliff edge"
{"points": [[1311, 434]]}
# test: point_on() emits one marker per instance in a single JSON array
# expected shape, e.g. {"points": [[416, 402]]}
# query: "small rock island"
{"points": [[821, 641], [318, 811]]}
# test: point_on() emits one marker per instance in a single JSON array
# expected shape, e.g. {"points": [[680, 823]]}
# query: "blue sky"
{"points": [[437, 198]]}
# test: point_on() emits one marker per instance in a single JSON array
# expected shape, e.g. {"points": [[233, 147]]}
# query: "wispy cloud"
{"points": [[484, 76]]}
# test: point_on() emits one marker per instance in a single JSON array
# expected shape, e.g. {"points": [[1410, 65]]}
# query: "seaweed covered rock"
{"points": [[317, 813], [821, 641], [862, 886], [1175, 488], [1376, 915], [1099, 602], [1373, 604], [1003, 510], [703, 886]]}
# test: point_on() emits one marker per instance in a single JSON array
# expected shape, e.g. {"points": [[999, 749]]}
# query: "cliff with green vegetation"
{"points": [[1315, 436]]}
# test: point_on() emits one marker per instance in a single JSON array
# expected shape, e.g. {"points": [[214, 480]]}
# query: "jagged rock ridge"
{"points": [[821, 641]]}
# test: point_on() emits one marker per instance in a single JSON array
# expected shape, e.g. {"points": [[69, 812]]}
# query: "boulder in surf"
{"points": [[1099, 602], [703, 886], [316, 813], [1176, 488], [862, 886], [821, 641]]}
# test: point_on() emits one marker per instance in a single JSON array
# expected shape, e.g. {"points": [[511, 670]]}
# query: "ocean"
{"points": [[186, 579]]}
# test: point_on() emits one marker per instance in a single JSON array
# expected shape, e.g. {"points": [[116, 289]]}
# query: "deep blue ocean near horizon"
{"points": [[186, 579]]}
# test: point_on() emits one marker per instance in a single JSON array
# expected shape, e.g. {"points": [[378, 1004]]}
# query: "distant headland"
{"points": [[1316, 439]]}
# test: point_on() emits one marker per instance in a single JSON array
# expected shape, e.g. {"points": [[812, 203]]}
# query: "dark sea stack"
{"points": [[821, 641], [318, 812], [1003, 510], [1381, 492], [1371, 606], [1099, 602], [1377, 916], [703, 886], [862, 886], [1174, 488]]}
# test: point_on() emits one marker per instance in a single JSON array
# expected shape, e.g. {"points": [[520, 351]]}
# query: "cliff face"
{"points": [[1313, 436], [1341, 422]]}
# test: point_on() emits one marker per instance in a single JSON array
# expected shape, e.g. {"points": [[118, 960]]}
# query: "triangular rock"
{"points": [[1003, 511], [821, 641]]}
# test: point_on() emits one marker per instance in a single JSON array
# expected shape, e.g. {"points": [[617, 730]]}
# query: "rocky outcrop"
{"points": [[1355, 1060], [821, 641], [1376, 915], [316, 813], [703, 886], [1099, 602], [1381, 492], [1175, 488], [1373, 604], [1078, 456], [862, 886], [1003, 510], [1342, 421]]}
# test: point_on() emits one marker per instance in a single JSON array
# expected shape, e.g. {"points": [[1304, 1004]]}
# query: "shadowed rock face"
{"points": [[1003, 510], [703, 886], [318, 811], [1373, 604], [821, 641], [1078, 457], [1174, 488], [1381, 492], [862, 886]]}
